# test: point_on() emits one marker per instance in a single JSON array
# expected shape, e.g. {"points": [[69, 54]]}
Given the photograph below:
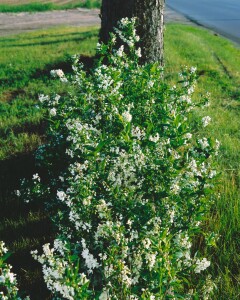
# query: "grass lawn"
{"points": [[218, 63], [16, 6], [26, 61], [25, 64]]}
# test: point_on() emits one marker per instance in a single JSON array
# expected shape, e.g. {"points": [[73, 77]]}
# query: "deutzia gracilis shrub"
{"points": [[8, 281], [129, 181]]}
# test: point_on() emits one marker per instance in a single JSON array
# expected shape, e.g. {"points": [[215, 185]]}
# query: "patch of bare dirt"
{"points": [[9, 95]]}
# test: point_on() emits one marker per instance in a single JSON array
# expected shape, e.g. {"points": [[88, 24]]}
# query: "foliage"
{"points": [[8, 281], [130, 180]]}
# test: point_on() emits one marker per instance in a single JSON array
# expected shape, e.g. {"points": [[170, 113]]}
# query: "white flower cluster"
{"points": [[59, 74], [51, 103], [57, 271], [201, 265], [206, 120], [90, 261], [127, 117], [8, 281], [130, 40], [3, 248]]}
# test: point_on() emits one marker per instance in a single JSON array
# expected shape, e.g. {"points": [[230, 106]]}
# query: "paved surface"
{"points": [[12, 23], [223, 16], [173, 16]]}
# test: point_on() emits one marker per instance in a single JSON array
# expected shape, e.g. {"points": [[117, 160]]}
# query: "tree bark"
{"points": [[150, 22]]}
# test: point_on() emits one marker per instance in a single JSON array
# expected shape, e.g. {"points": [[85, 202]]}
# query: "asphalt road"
{"points": [[223, 16]]}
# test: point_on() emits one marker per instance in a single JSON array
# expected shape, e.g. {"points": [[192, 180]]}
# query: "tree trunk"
{"points": [[149, 15]]}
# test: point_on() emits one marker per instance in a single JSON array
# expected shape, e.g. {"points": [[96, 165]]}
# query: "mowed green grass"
{"points": [[218, 63], [26, 61], [25, 64], [16, 6]]}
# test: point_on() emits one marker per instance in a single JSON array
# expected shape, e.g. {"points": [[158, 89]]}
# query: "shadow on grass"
{"points": [[4, 40], [43, 74], [25, 127], [66, 66], [82, 36], [24, 227]]}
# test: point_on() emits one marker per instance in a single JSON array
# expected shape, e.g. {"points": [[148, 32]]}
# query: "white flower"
{"points": [[61, 195], [130, 43], [138, 133], [61, 178], [114, 38], [63, 79], [60, 246], [42, 98], [151, 259], [171, 215], [205, 121], [53, 112], [90, 261], [138, 52], [104, 295], [193, 70], [47, 251], [217, 145], [11, 277], [201, 265], [175, 188], [188, 136], [151, 84], [190, 90], [185, 98], [36, 177], [147, 243], [137, 38], [99, 46], [154, 139], [120, 51], [203, 143], [212, 174], [127, 117], [56, 99], [17, 193], [2, 279], [57, 73]]}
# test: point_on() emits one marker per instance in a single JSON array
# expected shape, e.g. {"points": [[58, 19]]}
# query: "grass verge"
{"points": [[25, 63], [46, 6], [218, 63]]}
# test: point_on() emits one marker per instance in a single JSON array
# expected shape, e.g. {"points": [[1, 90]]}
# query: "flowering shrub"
{"points": [[129, 181], [8, 282]]}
